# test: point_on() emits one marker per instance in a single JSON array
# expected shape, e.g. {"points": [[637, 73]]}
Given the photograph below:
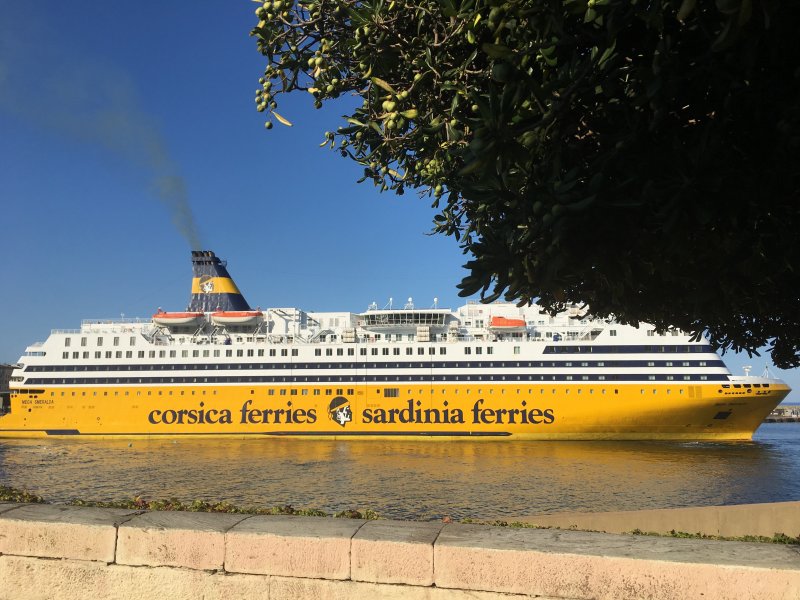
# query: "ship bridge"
{"points": [[405, 320]]}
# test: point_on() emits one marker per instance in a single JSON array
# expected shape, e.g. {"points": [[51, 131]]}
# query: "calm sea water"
{"points": [[415, 480]]}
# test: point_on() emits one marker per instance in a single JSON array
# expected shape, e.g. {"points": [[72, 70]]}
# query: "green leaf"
{"points": [[497, 50], [281, 119], [382, 84]]}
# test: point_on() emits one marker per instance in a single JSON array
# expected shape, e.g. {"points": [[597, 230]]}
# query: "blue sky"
{"points": [[100, 102]]}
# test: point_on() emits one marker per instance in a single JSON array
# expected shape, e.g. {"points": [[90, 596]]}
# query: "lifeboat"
{"points": [[505, 324], [178, 318], [237, 317]]}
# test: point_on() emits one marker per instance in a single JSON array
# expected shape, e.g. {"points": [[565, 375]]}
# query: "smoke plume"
{"points": [[90, 101]]}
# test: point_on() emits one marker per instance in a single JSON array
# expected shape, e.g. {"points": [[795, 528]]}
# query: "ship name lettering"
{"points": [[191, 416], [413, 414], [511, 416], [288, 415]]}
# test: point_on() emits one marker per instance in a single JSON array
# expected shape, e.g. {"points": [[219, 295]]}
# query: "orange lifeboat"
{"points": [[506, 324], [237, 317], [178, 318]]}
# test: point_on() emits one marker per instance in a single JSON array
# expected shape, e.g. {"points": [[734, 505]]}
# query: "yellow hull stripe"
{"points": [[218, 285], [361, 411]]}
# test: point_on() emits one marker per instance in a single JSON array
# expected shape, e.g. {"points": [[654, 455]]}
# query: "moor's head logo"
{"points": [[339, 410], [206, 284]]}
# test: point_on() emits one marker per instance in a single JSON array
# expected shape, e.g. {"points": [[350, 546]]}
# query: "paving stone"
{"points": [[394, 552], [25, 578], [592, 565], [291, 546], [177, 539], [59, 531]]}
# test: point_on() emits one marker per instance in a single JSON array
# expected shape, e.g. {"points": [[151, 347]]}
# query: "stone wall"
{"points": [[65, 552]]}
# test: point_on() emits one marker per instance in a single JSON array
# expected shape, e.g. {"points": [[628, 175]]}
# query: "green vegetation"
{"points": [[9, 494], [778, 538], [639, 157]]}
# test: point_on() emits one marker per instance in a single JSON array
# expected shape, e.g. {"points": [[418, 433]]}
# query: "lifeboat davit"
{"points": [[237, 317], [178, 318], [505, 324]]}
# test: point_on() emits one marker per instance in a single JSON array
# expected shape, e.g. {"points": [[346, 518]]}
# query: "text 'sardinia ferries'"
{"points": [[491, 372]]}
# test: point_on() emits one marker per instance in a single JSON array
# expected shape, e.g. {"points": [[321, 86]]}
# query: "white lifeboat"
{"points": [[505, 324], [237, 317], [178, 318]]}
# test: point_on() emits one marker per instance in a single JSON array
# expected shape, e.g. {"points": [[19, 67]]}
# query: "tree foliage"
{"points": [[639, 157]]}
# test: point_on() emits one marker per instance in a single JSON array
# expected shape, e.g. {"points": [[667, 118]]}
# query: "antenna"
{"points": [[747, 369], [435, 303], [410, 304]]}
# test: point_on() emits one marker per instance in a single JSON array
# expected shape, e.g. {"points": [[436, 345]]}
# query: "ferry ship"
{"points": [[482, 372]]}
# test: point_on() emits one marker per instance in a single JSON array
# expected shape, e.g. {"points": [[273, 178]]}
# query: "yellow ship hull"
{"points": [[431, 411]]}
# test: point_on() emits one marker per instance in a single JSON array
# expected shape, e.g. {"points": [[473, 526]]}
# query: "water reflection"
{"points": [[415, 480]]}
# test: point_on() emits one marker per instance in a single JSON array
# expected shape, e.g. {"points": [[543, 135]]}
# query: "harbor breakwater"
{"points": [[49, 551]]}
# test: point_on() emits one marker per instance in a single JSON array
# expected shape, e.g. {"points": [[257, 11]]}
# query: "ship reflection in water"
{"points": [[410, 480]]}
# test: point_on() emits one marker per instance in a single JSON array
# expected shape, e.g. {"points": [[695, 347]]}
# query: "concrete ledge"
{"points": [[292, 546], [128, 554], [726, 521], [55, 531]]}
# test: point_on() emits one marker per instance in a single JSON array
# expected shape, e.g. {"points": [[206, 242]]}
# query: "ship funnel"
{"points": [[212, 286]]}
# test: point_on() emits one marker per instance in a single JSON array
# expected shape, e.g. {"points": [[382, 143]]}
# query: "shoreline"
{"points": [[729, 521]]}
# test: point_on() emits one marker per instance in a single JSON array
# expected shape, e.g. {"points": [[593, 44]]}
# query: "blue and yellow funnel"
{"points": [[212, 286]]}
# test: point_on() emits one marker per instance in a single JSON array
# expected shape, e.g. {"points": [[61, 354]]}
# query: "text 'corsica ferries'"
{"points": [[494, 371]]}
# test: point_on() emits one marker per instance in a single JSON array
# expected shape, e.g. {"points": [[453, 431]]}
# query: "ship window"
{"points": [[612, 332], [478, 350], [227, 353], [140, 354], [431, 350], [83, 341], [99, 341], [304, 392], [409, 351], [119, 354], [351, 351], [249, 352], [152, 353], [489, 350], [396, 351], [116, 341], [270, 392], [196, 353], [272, 351], [316, 392], [317, 352], [96, 355], [362, 351], [651, 333], [133, 341], [284, 352], [516, 349], [374, 351], [391, 392], [260, 352], [467, 350], [293, 392], [282, 392], [65, 355], [67, 342], [442, 350]]}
